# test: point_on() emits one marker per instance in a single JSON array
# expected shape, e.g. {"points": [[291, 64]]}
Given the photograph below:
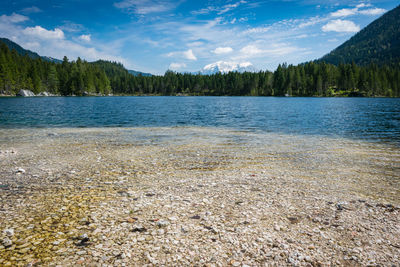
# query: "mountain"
{"points": [[20, 50], [12, 45], [225, 67], [138, 73], [378, 43]]}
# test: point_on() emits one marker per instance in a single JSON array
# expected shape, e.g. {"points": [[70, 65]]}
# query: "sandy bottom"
{"points": [[196, 196]]}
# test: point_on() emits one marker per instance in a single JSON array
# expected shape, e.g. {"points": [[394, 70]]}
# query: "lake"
{"points": [[206, 172], [371, 119]]}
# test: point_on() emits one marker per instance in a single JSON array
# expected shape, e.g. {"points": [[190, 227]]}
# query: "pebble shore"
{"points": [[196, 196]]}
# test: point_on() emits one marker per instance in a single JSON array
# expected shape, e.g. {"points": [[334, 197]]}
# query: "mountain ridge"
{"points": [[22, 51], [378, 42]]}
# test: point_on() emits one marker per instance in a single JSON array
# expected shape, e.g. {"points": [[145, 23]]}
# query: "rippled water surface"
{"points": [[372, 119]]}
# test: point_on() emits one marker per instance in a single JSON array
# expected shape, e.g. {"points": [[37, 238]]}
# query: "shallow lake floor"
{"points": [[196, 196]]}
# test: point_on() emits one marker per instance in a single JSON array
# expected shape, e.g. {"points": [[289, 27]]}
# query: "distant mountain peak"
{"points": [[227, 66]]}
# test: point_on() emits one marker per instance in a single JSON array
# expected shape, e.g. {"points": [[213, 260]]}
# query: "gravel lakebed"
{"points": [[196, 196]]}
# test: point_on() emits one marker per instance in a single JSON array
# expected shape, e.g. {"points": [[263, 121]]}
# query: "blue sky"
{"points": [[182, 35]]}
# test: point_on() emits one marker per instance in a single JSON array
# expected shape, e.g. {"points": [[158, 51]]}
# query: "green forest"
{"points": [[102, 78]]}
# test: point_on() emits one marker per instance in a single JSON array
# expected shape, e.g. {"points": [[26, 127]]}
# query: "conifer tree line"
{"points": [[102, 78]]}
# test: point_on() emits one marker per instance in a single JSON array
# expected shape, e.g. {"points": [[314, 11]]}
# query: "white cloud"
{"points": [[144, 7], [251, 50], [189, 55], [345, 12], [42, 33], [13, 18], [203, 10], [373, 11], [258, 30], [301, 36], [229, 7], [177, 66], [53, 43], [85, 37], [363, 5], [310, 22], [223, 50], [339, 25], [269, 50], [32, 9], [196, 44], [183, 54], [220, 10], [69, 26]]}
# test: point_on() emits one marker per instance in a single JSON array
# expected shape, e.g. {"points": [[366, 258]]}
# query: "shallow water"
{"points": [[371, 119]]}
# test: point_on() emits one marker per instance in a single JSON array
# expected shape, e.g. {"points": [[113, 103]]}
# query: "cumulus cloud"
{"points": [[339, 25], [189, 55], [345, 12], [177, 66], [223, 50], [373, 11], [251, 50], [52, 43], [184, 54], [13, 18], [269, 50], [85, 37], [42, 33]]}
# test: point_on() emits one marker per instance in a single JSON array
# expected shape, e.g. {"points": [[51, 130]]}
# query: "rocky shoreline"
{"points": [[28, 93], [195, 196]]}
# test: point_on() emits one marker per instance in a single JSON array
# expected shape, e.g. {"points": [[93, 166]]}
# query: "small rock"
{"points": [[20, 170], [235, 263], [84, 239], [195, 217], [24, 250], [162, 223], [82, 252], [138, 228], [293, 219], [7, 242], [9, 232]]}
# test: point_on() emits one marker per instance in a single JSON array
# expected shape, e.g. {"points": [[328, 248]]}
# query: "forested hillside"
{"points": [[102, 77], [377, 43]]}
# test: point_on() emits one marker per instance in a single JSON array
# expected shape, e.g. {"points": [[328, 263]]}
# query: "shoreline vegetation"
{"points": [[102, 78], [346, 95]]}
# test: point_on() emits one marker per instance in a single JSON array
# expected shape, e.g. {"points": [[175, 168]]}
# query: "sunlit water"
{"points": [[369, 119]]}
